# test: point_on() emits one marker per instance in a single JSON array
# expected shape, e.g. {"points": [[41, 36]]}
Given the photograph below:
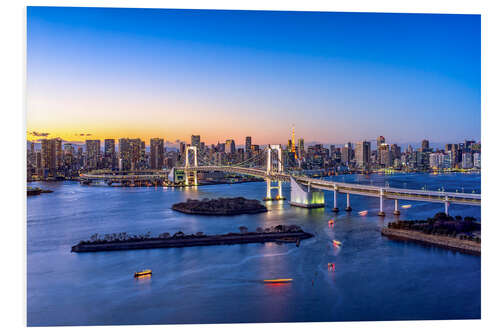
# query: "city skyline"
{"points": [[96, 73]]}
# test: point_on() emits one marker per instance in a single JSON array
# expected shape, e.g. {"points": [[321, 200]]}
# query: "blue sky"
{"points": [[337, 77]]}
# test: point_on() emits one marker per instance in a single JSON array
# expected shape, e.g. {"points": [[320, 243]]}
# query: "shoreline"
{"points": [[226, 239], [461, 245]]}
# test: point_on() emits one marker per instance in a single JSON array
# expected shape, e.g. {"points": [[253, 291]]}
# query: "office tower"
{"points": [[362, 154], [182, 149], [48, 155], [124, 154], [195, 141], [38, 160], [380, 140], [109, 153], [448, 147], [230, 147], [468, 145], [395, 151], [385, 158], [138, 151], [93, 148], [477, 160], [435, 160], [156, 149], [301, 148], [467, 161], [248, 144], [345, 154], [425, 145]]}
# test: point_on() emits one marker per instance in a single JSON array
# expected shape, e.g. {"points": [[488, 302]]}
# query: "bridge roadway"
{"points": [[119, 176], [366, 190]]}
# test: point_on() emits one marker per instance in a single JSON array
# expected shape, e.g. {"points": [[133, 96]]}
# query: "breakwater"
{"points": [[205, 240], [462, 245]]}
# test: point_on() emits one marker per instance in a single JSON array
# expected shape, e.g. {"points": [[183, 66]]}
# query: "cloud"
{"points": [[34, 133]]}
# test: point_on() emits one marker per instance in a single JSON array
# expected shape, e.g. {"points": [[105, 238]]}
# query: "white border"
{"points": [[13, 147]]}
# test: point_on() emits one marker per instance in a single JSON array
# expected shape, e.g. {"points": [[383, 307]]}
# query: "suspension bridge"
{"points": [[270, 165]]}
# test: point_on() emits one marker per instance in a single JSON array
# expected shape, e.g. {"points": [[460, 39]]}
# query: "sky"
{"points": [[96, 73]]}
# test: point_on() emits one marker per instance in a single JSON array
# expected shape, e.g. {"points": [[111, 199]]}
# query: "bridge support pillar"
{"points": [[348, 204], [381, 210], [269, 187], [396, 210], [446, 206], [335, 208], [268, 190]]}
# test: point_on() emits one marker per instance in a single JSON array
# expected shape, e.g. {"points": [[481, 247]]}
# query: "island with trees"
{"points": [[220, 206], [36, 191], [456, 233], [124, 241]]}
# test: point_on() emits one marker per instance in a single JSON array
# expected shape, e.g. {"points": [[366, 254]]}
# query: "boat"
{"points": [[405, 206], [331, 222], [143, 273], [337, 243], [278, 281], [363, 213]]}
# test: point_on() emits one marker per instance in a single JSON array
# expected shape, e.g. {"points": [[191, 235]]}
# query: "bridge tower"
{"points": [[191, 176], [274, 164]]}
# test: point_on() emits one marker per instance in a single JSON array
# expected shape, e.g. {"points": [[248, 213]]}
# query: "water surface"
{"points": [[375, 278]]}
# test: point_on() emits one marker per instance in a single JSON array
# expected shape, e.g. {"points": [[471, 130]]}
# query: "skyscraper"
{"points": [[301, 148], [156, 149], [195, 141], [362, 154], [109, 153], [248, 144], [230, 147], [380, 140], [93, 148], [385, 157], [129, 151], [48, 156], [425, 145]]}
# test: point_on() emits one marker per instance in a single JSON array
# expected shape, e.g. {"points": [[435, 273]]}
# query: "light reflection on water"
{"points": [[374, 278]]}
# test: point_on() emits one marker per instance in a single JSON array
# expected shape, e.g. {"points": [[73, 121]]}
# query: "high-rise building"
{"points": [[68, 149], [425, 145], [129, 152], [362, 154], [51, 155], [182, 149], [385, 158], [230, 147], [93, 149], [345, 154], [380, 141], [48, 153], [467, 161], [195, 141], [301, 148], [156, 149], [109, 153], [477, 160], [248, 144]]}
